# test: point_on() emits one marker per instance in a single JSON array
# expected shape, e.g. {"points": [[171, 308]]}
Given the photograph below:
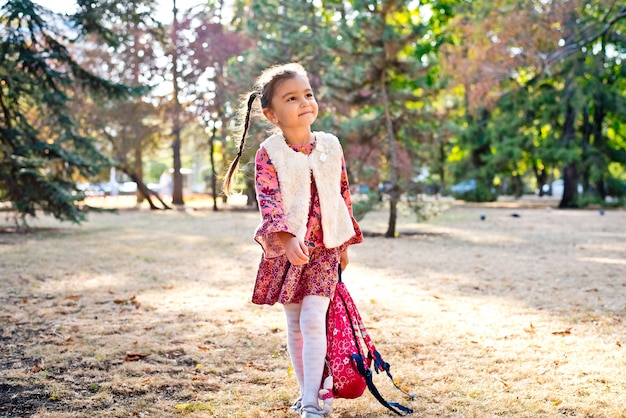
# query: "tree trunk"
{"points": [[394, 193], [599, 143], [143, 189], [139, 170], [518, 186], [213, 173], [137, 143], [570, 176], [541, 176], [570, 180], [442, 165], [177, 190]]}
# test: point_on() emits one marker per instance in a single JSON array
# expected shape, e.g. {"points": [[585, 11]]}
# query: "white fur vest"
{"points": [[294, 177]]}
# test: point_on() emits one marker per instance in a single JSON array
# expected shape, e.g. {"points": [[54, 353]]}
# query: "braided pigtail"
{"points": [[263, 89], [228, 179]]}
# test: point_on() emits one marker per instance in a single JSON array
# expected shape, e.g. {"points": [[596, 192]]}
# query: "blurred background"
{"points": [[476, 100]]}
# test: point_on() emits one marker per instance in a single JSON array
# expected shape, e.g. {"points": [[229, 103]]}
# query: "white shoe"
{"points": [[297, 406], [312, 411]]}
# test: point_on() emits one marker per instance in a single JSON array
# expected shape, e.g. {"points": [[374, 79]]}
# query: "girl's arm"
{"points": [[343, 258], [273, 233], [347, 197]]}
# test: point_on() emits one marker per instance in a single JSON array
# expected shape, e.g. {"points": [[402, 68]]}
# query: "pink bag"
{"points": [[346, 360]]}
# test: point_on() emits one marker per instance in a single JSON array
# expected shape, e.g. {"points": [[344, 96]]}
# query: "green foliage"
{"points": [[482, 193], [153, 171], [42, 150], [425, 211], [616, 187], [364, 204], [281, 40], [543, 122], [591, 200], [383, 75]]}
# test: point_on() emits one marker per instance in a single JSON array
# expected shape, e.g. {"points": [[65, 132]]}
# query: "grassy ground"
{"points": [[147, 314]]}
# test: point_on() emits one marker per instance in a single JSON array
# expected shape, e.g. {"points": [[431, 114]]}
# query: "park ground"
{"points": [[505, 310]]}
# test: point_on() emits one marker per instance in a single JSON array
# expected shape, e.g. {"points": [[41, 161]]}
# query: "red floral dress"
{"points": [[277, 280]]}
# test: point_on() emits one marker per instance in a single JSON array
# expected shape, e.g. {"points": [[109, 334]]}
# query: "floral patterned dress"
{"points": [[277, 280]]}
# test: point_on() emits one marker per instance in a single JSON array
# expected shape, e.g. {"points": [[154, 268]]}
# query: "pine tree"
{"points": [[43, 151], [381, 79]]}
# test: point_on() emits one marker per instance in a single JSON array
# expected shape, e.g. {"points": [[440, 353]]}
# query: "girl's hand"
{"points": [[297, 253], [343, 259]]}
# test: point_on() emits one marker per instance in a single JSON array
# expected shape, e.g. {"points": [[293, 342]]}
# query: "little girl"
{"points": [[307, 222]]}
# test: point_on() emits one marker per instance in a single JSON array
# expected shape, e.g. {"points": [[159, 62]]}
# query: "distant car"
{"points": [[98, 189], [464, 187], [384, 187], [128, 187]]}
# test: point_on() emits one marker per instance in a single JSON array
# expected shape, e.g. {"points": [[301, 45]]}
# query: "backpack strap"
{"points": [[394, 407], [379, 364]]}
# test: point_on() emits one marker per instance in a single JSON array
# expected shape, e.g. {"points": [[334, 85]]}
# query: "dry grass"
{"points": [[511, 316]]}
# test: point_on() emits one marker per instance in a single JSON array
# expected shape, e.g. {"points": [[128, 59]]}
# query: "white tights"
{"points": [[306, 341]]}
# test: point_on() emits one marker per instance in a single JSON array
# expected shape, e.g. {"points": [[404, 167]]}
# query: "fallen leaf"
{"points": [[282, 409], [566, 331], [133, 300], [135, 356], [175, 353]]}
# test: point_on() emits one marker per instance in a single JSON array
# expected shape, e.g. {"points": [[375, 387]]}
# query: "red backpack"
{"points": [[346, 361]]}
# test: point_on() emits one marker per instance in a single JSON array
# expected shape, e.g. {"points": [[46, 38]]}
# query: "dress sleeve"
{"points": [[347, 197], [270, 206]]}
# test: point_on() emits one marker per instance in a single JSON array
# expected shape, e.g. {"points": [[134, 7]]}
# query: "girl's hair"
{"points": [[263, 89]]}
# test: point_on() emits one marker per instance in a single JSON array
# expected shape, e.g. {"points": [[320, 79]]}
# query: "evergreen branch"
{"points": [[571, 48]]}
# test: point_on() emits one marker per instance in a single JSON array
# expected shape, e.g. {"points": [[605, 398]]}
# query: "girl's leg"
{"points": [[294, 340], [313, 326]]}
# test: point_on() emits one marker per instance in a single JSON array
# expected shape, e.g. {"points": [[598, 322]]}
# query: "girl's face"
{"points": [[293, 104]]}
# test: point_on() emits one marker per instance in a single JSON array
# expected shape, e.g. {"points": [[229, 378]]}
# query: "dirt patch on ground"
{"points": [[482, 312]]}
